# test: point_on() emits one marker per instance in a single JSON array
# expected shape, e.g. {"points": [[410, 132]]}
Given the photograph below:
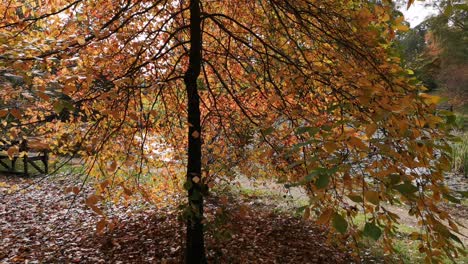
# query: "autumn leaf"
{"points": [[16, 113], [81, 40], [12, 151], [325, 217], [372, 196], [92, 200], [3, 113], [195, 134], [101, 225], [112, 167], [196, 179]]}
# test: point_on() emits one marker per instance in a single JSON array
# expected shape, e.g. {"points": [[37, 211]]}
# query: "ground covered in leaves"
{"points": [[40, 223]]}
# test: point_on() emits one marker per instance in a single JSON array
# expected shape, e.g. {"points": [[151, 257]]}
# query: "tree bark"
{"points": [[195, 246]]}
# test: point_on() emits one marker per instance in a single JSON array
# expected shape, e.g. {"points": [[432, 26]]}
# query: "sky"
{"points": [[419, 11]]}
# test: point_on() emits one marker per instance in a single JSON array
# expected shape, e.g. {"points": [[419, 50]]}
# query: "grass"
{"points": [[406, 249], [20, 166], [460, 155]]}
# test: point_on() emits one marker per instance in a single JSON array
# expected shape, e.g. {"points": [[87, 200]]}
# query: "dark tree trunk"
{"points": [[195, 246]]}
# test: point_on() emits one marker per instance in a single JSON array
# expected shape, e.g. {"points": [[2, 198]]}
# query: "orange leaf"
{"points": [[12, 151], [16, 113], [325, 217], [356, 142], [330, 146], [370, 130], [112, 167], [372, 196], [92, 200], [127, 191], [101, 225]]}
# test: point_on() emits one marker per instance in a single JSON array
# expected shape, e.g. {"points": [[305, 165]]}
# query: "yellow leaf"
{"points": [[330, 147], [401, 27], [430, 99], [81, 40], [372, 197], [196, 179], [399, 19], [385, 17]]}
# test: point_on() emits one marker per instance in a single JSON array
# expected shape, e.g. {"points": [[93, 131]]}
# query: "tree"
{"points": [[436, 50], [307, 91]]}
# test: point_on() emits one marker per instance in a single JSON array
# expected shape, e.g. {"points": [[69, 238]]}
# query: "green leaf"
{"points": [[311, 130], [58, 107], [443, 230], [322, 181], [451, 198], [451, 119], [268, 131], [320, 171], [394, 178], [373, 231], [454, 237], [355, 198], [406, 188], [339, 223]]}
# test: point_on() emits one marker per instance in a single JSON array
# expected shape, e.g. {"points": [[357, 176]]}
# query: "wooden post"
{"points": [[25, 164]]}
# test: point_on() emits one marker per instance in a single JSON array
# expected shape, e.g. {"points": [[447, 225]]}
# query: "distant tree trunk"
{"points": [[195, 246]]}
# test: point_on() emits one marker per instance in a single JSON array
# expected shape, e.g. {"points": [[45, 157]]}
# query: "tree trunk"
{"points": [[195, 246]]}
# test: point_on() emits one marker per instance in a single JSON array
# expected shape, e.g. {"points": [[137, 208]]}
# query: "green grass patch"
{"points": [[460, 155], [19, 166]]}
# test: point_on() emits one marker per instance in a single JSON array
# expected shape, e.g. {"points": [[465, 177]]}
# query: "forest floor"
{"points": [[296, 197], [41, 223], [249, 222]]}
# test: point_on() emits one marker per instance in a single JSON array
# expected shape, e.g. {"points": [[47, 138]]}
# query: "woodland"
{"points": [[232, 131]]}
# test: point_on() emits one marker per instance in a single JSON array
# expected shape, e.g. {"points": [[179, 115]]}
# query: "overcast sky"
{"points": [[418, 11]]}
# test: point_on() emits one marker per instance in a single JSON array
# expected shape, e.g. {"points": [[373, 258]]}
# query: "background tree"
{"points": [[436, 49]]}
